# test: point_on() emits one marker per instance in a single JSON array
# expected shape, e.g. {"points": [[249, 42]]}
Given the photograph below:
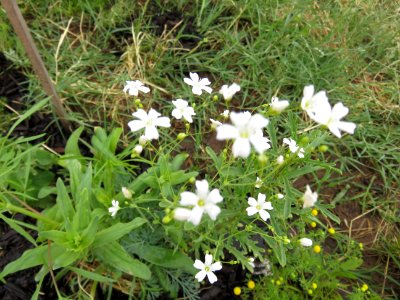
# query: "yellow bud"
{"points": [[313, 224], [317, 249], [251, 284], [314, 212], [137, 101], [331, 230], [237, 291], [314, 285], [181, 136], [278, 282], [364, 287], [361, 245], [323, 148], [310, 292], [166, 219], [215, 97], [192, 179]]}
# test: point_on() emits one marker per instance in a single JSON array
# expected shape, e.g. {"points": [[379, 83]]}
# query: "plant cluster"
{"points": [[137, 217]]}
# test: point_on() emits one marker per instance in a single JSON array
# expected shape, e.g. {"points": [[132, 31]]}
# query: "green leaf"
{"points": [[116, 231], [72, 147], [66, 258], [17, 228], [115, 256], [163, 257], [30, 258], [288, 199], [91, 275], [178, 160], [64, 203]]}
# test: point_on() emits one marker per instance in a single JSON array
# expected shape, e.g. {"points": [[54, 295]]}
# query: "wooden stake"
{"points": [[22, 31]]}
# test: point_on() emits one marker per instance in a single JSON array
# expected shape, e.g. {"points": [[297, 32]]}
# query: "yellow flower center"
{"points": [[207, 269], [201, 202], [258, 207]]}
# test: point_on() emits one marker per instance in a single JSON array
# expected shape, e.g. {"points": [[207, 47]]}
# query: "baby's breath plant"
{"points": [[141, 211]]}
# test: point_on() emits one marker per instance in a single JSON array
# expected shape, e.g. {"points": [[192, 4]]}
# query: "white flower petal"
{"points": [[189, 199], [241, 147], [208, 260], [140, 114], [202, 189], [182, 214], [163, 122], [264, 215], [251, 201], [305, 242], [200, 275], [225, 132], [136, 125], [211, 277], [198, 264], [214, 196], [213, 211], [216, 266], [195, 217], [251, 211], [261, 198], [177, 113], [348, 127], [151, 133]]}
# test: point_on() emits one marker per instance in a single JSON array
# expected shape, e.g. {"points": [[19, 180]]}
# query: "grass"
{"points": [[349, 48]]}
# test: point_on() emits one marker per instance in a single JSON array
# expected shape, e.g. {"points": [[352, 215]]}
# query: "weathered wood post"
{"points": [[22, 31]]}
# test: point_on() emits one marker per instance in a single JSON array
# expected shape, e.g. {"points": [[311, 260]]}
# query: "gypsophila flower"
{"points": [[114, 208], [250, 260], [280, 160], [246, 131], [127, 193], [309, 198], [305, 242], [149, 122], [259, 206], [258, 183], [225, 114], [138, 149], [228, 91], [293, 147], [201, 202], [198, 84], [207, 268], [182, 109], [277, 105], [310, 102], [133, 87], [331, 118], [215, 124]]}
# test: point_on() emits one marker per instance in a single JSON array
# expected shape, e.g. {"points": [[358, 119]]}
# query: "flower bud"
{"points": [[181, 136], [280, 160], [305, 242], [138, 149], [143, 140], [263, 159], [323, 148], [215, 97], [127, 193]]}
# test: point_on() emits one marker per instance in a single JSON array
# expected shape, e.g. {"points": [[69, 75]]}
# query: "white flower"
{"points": [[149, 122], [225, 114], [127, 193], [311, 102], [138, 149], [259, 206], [133, 87], [277, 105], [143, 140], [305, 242], [198, 84], [228, 91], [258, 183], [293, 147], [280, 160], [280, 196], [202, 201], [207, 268], [246, 130], [331, 117], [182, 109], [251, 262], [309, 198], [215, 124], [114, 208]]}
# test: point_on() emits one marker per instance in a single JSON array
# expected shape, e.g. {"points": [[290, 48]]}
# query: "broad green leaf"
{"points": [[163, 257], [179, 177], [116, 231], [72, 147], [56, 236], [115, 256], [30, 258], [178, 160], [17, 228], [113, 139], [66, 258], [64, 203]]}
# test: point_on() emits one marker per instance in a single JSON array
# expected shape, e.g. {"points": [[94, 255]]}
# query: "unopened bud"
{"points": [[181, 136], [138, 149]]}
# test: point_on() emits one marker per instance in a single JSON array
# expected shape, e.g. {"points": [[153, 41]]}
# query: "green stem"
{"points": [[28, 213]]}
